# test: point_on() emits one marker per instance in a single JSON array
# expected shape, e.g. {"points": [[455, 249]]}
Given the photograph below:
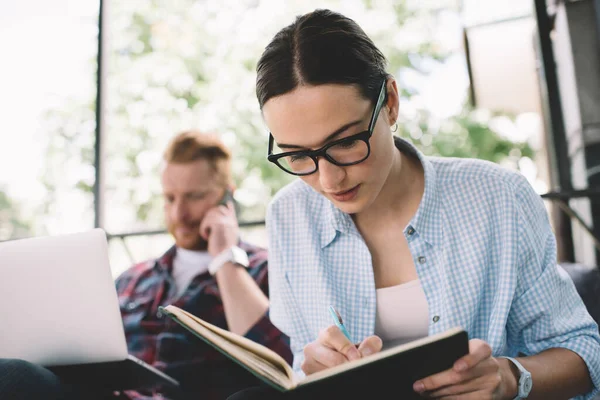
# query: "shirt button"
{"points": [[131, 305], [436, 318], [410, 231], [422, 260], [159, 314]]}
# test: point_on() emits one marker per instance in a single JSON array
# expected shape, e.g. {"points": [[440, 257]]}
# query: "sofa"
{"points": [[587, 282]]}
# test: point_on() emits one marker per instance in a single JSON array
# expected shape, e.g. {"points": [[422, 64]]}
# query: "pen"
{"points": [[337, 320]]}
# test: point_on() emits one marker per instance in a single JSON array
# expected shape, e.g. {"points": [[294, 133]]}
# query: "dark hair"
{"points": [[320, 47]]}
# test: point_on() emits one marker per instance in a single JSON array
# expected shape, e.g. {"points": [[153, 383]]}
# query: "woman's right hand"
{"points": [[333, 348]]}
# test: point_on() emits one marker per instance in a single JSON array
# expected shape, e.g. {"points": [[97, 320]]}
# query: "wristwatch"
{"points": [[525, 382], [233, 254]]}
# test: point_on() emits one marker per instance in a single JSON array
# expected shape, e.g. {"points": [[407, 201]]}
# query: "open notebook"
{"points": [[402, 365]]}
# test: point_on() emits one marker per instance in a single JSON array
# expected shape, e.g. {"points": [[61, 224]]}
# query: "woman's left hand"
{"points": [[475, 376]]}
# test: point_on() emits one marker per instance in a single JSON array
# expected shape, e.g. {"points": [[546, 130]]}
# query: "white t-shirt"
{"points": [[188, 264]]}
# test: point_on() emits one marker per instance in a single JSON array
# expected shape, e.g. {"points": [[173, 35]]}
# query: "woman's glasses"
{"points": [[343, 152]]}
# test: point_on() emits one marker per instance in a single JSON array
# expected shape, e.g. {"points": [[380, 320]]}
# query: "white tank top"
{"points": [[402, 313]]}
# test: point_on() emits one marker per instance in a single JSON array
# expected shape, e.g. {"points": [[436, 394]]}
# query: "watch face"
{"points": [[527, 384], [239, 256]]}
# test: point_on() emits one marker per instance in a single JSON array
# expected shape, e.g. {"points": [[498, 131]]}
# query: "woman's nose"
{"points": [[330, 175]]}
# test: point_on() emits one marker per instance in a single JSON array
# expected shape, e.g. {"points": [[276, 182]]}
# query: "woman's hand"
{"points": [[333, 348], [475, 376]]}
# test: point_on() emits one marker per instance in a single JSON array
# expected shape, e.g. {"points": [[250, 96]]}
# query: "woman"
{"points": [[401, 244]]}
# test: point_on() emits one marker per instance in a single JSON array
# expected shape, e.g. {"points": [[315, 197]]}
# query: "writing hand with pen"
{"points": [[334, 346], [475, 376]]}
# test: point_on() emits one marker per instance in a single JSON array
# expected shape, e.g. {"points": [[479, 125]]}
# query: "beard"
{"points": [[190, 238]]}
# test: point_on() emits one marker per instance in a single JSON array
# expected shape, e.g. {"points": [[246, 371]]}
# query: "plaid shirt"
{"points": [[161, 342]]}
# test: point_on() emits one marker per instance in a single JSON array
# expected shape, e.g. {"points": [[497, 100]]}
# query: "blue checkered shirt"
{"points": [[483, 249]]}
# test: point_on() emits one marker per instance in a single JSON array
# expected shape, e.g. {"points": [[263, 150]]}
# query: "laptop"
{"points": [[59, 309]]}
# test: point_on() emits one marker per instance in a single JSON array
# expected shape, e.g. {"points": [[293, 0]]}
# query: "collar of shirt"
{"points": [[423, 222], [165, 262]]}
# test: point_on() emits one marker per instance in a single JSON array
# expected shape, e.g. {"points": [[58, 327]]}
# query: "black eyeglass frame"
{"points": [[322, 152]]}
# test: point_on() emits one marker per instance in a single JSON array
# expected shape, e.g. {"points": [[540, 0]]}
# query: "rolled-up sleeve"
{"points": [[547, 311]]}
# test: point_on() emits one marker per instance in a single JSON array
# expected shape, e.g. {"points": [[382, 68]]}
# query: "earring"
{"points": [[395, 127]]}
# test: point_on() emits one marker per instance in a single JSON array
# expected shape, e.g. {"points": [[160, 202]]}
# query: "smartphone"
{"points": [[227, 197]]}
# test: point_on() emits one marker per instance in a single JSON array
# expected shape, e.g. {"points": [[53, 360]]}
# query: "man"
{"points": [[195, 178], [208, 272]]}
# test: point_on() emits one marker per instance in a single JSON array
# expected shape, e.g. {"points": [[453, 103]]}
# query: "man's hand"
{"points": [[220, 228], [333, 348], [475, 376]]}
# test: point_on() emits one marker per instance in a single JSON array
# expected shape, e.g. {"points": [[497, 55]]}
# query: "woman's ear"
{"points": [[393, 100]]}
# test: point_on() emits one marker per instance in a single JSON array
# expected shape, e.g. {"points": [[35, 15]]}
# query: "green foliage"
{"points": [[12, 226], [463, 135], [182, 65]]}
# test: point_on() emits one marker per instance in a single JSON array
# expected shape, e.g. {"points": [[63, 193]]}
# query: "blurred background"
{"points": [[91, 92]]}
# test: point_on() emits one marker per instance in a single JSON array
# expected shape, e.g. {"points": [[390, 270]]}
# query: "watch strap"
{"points": [[232, 254], [523, 373]]}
